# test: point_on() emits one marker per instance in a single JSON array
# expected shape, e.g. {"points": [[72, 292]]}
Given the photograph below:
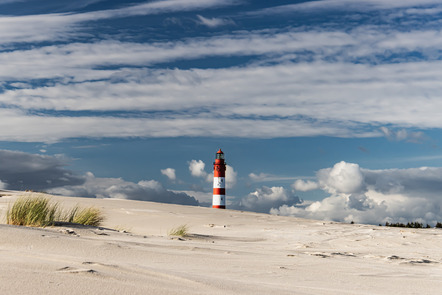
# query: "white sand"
{"points": [[228, 252]]}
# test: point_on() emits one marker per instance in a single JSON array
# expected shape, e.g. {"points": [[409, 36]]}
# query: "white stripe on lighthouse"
{"points": [[219, 182], [219, 200]]}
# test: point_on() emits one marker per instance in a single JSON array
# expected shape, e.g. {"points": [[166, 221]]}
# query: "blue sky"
{"points": [[325, 109]]}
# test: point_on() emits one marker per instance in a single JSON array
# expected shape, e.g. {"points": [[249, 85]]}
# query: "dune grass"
{"points": [[32, 211], [39, 211], [180, 231], [87, 216]]}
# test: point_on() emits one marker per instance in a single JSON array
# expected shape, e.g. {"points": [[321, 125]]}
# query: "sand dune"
{"points": [[227, 252]]}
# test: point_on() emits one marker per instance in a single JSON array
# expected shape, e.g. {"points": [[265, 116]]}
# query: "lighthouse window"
{"points": [[220, 156]]}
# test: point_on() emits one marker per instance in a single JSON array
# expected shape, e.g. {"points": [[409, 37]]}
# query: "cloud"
{"points": [[403, 135], [196, 168], [61, 26], [266, 198], [21, 171], [203, 198], [3, 185], [362, 5], [259, 177], [343, 178], [145, 190], [262, 177], [170, 173], [304, 186], [231, 177], [374, 196], [340, 115], [214, 22], [373, 76]]}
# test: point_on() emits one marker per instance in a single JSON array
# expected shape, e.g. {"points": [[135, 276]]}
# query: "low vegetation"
{"points": [[87, 216], [411, 225], [32, 211], [180, 231], [39, 211]]}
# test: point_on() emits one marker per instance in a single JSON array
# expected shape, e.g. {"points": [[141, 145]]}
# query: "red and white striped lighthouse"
{"points": [[219, 181]]}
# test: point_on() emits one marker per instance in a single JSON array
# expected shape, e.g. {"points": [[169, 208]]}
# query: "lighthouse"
{"points": [[219, 181]]}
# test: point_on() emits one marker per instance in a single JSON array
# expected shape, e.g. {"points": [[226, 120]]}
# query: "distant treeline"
{"points": [[411, 225]]}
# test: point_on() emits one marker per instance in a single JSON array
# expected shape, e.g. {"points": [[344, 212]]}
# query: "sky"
{"points": [[326, 109]]}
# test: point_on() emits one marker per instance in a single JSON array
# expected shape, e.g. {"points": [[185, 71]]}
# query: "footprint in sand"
{"points": [[69, 269]]}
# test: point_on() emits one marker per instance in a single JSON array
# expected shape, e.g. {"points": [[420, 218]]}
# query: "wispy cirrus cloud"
{"points": [[62, 26], [214, 22], [363, 5], [122, 88], [360, 99], [264, 177]]}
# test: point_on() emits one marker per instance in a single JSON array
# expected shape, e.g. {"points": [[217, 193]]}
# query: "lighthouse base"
{"points": [[219, 201]]}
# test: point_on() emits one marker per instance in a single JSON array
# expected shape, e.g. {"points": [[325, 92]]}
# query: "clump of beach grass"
{"points": [[180, 231], [39, 211], [86, 216], [32, 211]]}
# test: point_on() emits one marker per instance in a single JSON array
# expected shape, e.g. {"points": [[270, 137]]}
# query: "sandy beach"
{"points": [[226, 252]]}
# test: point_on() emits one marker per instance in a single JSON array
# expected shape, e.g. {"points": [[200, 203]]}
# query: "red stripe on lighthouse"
{"points": [[219, 191]]}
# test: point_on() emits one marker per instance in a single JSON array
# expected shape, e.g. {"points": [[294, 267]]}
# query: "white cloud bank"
{"points": [[145, 190], [265, 198], [22, 171], [373, 196]]}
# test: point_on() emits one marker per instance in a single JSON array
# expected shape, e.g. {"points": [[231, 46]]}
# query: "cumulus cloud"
{"points": [[343, 178], [374, 196], [170, 173], [146, 190], [196, 168], [265, 198]]}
